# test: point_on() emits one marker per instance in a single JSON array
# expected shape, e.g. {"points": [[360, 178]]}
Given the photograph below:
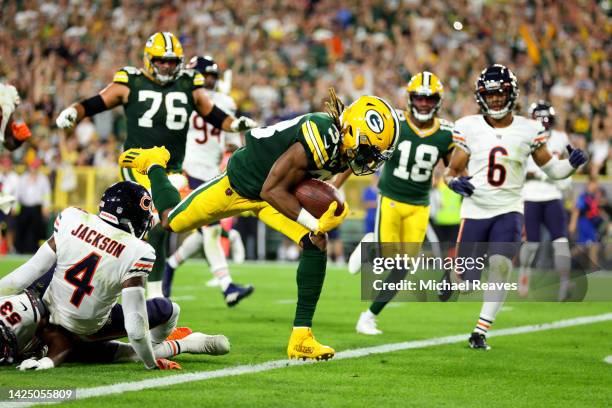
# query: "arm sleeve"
{"points": [[558, 169], [137, 325], [16, 281], [540, 138], [460, 138], [142, 266]]}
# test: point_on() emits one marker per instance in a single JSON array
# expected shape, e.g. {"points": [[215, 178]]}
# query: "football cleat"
{"points": [[367, 325], [179, 333], [302, 345], [167, 280], [143, 159], [478, 341], [235, 293], [200, 343], [165, 364]]}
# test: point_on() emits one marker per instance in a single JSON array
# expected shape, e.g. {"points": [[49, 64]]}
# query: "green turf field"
{"points": [[558, 367]]}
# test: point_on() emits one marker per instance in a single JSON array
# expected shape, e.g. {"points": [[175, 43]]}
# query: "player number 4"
{"points": [[80, 276]]}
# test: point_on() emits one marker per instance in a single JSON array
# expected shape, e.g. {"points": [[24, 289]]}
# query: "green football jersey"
{"points": [[158, 115], [406, 177], [249, 166]]}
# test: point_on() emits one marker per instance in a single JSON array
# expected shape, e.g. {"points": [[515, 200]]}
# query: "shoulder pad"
{"points": [[122, 75]]}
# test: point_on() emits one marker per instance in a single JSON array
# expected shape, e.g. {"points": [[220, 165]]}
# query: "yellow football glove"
{"points": [[329, 221]]}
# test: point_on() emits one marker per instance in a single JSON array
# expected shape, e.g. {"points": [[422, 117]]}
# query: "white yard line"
{"points": [[120, 388]]}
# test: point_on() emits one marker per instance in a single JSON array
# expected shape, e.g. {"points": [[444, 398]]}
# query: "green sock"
{"points": [[158, 238], [386, 296], [310, 277], [164, 194]]}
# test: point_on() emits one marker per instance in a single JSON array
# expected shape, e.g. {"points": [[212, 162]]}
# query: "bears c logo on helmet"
{"points": [[145, 203], [375, 121]]}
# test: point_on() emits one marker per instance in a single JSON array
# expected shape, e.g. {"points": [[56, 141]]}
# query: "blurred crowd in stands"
{"points": [[284, 55]]}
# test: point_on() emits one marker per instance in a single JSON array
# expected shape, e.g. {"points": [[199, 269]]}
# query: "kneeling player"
{"points": [[99, 257]]}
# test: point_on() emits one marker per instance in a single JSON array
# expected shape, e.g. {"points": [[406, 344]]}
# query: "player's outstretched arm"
{"points": [[454, 175], [217, 117], [113, 95], [136, 320], [22, 277], [559, 169]]}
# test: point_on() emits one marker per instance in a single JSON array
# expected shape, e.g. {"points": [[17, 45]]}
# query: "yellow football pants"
{"points": [[400, 222], [216, 199]]}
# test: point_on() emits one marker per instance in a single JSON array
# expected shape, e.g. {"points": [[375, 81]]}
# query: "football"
{"points": [[316, 196]]}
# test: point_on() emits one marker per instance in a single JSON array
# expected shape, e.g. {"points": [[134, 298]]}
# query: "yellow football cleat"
{"points": [[302, 345], [143, 159]]}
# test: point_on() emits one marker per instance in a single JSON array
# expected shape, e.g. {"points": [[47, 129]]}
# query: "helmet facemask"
{"points": [[365, 158], [171, 74]]}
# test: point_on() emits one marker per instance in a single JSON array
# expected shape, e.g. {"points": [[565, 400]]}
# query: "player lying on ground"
{"points": [[158, 100], [260, 178], [98, 258], [206, 145], [494, 147], [27, 338]]}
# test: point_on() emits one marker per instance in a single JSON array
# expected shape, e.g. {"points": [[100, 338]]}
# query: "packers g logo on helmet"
{"points": [[163, 46], [370, 130], [425, 84]]}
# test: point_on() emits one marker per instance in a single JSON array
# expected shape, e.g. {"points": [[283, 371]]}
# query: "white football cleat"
{"points": [[200, 343], [213, 283], [367, 324], [354, 263]]}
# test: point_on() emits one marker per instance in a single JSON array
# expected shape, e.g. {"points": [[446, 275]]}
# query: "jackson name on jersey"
{"points": [[406, 177], [157, 114], [249, 166], [94, 258], [205, 143], [498, 157]]}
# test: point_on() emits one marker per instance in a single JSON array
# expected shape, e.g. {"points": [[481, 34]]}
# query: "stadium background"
{"points": [[284, 55]]}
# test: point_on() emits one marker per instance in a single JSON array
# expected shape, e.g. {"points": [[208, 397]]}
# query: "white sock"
{"points": [[159, 333], [224, 280], [499, 270], [215, 255], [189, 246], [526, 257], [563, 264], [167, 349], [238, 251], [368, 313]]}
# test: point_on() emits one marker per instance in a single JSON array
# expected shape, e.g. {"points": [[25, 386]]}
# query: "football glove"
{"points": [[165, 364], [577, 157], [462, 186], [66, 118], [21, 131], [329, 221], [242, 124], [44, 363]]}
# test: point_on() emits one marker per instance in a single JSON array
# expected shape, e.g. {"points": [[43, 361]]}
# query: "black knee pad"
{"points": [[159, 310], [307, 244]]}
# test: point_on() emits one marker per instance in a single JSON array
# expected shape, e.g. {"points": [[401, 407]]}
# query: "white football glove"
{"points": [[44, 363], [242, 123], [66, 118]]}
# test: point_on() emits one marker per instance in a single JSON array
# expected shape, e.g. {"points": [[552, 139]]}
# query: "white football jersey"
{"points": [[23, 314], [94, 258], [544, 188], [498, 158], [205, 143]]}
